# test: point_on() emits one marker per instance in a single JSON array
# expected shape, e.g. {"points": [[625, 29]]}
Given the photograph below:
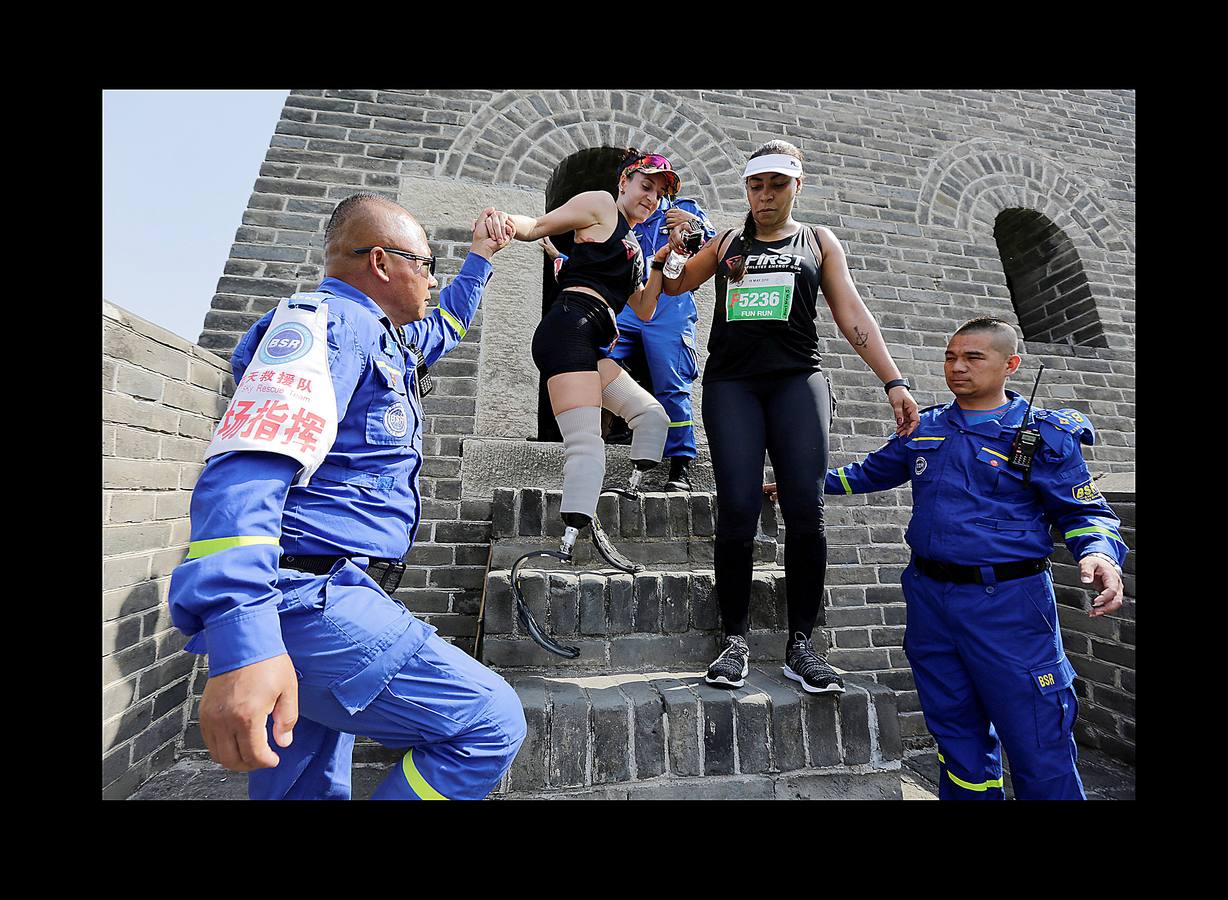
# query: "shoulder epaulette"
{"points": [[1069, 421]]}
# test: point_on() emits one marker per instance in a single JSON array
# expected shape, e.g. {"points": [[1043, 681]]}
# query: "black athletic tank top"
{"points": [[765, 323], [613, 268]]}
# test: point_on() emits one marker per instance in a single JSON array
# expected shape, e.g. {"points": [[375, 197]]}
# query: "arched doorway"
{"points": [[1045, 276]]}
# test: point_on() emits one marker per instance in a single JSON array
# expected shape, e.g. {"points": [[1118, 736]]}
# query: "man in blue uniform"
{"points": [[667, 340], [285, 583], [983, 638]]}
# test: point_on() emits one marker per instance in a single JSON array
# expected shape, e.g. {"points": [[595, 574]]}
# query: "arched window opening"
{"points": [[594, 169], [1048, 287]]}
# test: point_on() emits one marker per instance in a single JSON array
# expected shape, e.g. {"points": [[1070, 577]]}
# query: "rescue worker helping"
{"points": [[307, 503], [989, 476]]}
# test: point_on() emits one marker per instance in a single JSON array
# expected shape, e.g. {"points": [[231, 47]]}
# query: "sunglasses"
{"points": [[407, 255]]}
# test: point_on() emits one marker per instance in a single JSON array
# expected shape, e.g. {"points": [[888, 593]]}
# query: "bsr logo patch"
{"points": [[920, 465], [1087, 492]]}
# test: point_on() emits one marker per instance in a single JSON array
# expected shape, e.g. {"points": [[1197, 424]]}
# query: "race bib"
{"points": [[285, 402], [759, 296]]}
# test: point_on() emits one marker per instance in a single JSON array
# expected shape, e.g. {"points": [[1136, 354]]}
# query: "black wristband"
{"points": [[896, 382], [658, 264]]}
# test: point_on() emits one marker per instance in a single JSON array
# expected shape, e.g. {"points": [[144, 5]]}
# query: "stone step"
{"points": [[669, 734], [623, 622], [489, 463], [655, 515]]}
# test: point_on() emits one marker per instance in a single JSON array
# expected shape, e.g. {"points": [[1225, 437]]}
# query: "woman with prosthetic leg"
{"points": [[603, 274]]}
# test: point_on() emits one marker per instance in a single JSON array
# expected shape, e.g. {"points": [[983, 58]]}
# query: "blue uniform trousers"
{"points": [[460, 722], [668, 343], [988, 663]]}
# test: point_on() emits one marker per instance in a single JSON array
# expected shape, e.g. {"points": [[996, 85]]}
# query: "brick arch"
{"points": [[970, 184], [518, 138]]}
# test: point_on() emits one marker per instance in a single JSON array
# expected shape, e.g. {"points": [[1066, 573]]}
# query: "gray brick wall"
{"points": [[911, 182], [161, 399]]}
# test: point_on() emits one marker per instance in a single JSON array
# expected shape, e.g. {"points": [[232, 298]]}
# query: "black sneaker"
{"points": [[730, 668], [679, 477], [803, 665]]}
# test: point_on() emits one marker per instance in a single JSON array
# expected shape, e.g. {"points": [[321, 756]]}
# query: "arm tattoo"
{"points": [[863, 338]]}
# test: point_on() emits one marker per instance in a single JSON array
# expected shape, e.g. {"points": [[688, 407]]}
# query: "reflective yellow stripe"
{"points": [[197, 549], [680, 424], [848, 489], [1094, 529], [416, 781], [995, 453], [983, 786], [451, 320], [930, 439]]}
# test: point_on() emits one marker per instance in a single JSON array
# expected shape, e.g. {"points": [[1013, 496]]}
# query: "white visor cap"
{"points": [[774, 162]]}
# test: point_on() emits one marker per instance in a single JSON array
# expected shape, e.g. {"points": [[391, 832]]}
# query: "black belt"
{"points": [[941, 571], [380, 570]]}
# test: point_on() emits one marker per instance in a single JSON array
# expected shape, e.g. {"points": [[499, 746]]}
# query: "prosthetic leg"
{"points": [[649, 427], [583, 470]]}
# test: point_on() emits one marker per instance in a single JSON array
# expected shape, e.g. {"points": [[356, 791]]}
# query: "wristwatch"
{"points": [[1105, 557], [896, 382], [657, 263]]}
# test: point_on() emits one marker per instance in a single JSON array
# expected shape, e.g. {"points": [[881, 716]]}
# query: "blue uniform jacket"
{"points": [[362, 501], [970, 507]]}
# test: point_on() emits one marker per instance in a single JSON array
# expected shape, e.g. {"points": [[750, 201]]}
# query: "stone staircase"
{"points": [[631, 716]]}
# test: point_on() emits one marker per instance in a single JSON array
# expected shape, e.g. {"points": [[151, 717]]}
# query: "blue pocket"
{"points": [[1055, 701]]}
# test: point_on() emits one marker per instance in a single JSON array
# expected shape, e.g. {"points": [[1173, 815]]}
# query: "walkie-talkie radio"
{"points": [[422, 378], [1027, 440]]}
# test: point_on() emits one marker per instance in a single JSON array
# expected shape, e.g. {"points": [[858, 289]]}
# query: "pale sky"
{"points": [[178, 168]]}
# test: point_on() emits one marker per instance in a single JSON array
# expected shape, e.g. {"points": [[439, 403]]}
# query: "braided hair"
{"points": [[748, 227], [630, 155]]}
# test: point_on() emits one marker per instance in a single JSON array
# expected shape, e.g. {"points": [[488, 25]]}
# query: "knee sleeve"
{"points": [[583, 459], [644, 415]]}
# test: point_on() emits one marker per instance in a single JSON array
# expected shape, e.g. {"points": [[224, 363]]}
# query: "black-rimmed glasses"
{"points": [[406, 254]]}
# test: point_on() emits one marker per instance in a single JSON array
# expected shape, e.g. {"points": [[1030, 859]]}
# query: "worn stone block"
{"points": [[568, 760], [621, 608], [854, 705], [763, 601], [648, 713], [883, 699], [630, 515], [716, 705], [679, 506], [754, 728], [592, 604], [675, 596], [529, 515], [528, 770], [647, 602], [656, 515], [564, 603], [705, 610], [788, 747], [703, 521], [611, 734], [682, 711]]}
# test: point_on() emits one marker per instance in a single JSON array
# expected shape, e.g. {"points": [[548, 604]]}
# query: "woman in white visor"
{"points": [[764, 389]]}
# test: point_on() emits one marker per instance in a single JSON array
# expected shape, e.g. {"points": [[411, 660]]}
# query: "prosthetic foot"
{"points": [[632, 490], [610, 553], [573, 522]]}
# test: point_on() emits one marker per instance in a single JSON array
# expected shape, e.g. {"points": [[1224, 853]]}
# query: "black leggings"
{"points": [[789, 416]]}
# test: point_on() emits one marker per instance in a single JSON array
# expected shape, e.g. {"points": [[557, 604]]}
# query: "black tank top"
{"points": [[614, 268], [766, 325]]}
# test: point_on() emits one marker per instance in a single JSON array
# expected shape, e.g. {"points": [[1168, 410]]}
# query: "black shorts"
{"points": [[572, 335]]}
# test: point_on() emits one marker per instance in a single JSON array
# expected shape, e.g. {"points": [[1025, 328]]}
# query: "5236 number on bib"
{"points": [[760, 296]]}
